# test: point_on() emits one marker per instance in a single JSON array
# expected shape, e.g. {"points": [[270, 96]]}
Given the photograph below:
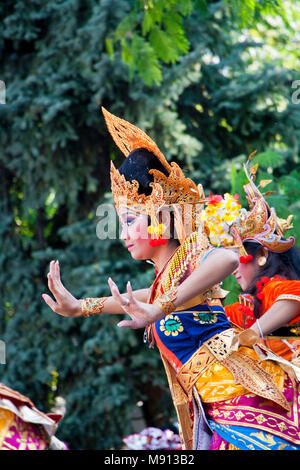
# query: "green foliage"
{"points": [[224, 91], [153, 32]]}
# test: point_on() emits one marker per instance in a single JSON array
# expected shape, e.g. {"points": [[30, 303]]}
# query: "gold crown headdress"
{"points": [[261, 223], [173, 190]]}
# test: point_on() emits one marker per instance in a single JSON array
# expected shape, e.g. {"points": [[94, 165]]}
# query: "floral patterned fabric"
{"points": [[21, 435]]}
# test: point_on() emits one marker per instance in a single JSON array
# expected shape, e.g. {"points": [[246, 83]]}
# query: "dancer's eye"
{"points": [[128, 221]]}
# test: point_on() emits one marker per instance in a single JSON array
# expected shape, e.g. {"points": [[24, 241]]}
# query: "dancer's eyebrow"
{"points": [[128, 215]]}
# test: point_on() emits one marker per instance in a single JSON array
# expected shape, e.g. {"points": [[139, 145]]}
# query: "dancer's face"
{"points": [[245, 273], [135, 234]]}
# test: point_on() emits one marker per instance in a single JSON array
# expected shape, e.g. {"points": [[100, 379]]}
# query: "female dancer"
{"points": [[237, 400], [269, 276]]}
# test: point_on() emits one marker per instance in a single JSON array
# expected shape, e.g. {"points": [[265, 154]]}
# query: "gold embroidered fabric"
{"points": [[222, 344], [194, 368], [181, 404], [221, 369], [241, 373], [247, 372], [6, 418]]}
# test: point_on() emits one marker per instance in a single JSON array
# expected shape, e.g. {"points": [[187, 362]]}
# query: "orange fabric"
{"points": [[234, 315], [280, 287], [218, 384], [271, 292], [284, 350]]}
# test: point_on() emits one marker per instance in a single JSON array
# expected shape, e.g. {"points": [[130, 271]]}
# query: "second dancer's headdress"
{"points": [[260, 223]]}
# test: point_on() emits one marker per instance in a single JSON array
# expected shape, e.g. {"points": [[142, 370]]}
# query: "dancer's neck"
{"points": [[164, 253]]}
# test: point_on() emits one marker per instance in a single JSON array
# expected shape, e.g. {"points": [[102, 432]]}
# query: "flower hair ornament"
{"points": [[157, 231], [261, 223], [219, 216]]}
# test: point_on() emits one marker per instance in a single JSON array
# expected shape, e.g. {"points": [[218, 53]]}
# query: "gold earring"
{"points": [[262, 261]]}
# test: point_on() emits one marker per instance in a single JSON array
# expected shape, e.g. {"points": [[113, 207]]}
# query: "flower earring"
{"points": [[157, 232]]}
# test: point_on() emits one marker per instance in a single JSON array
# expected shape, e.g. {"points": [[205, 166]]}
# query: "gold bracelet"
{"points": [[91, 306], [166, 301]]}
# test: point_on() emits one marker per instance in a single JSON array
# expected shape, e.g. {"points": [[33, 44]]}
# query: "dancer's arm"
{"points": [[278, 315], [216, 267], [67, 305]]}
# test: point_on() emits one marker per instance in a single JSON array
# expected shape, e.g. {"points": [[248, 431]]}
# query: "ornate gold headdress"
{"points": [[174, 190], [261, 223]]}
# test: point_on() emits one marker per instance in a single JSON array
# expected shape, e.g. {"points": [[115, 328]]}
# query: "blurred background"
{"points": [[210, 82]]}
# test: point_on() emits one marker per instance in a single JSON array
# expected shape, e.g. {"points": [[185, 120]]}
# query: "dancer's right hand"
{"points": [[64, 304]]}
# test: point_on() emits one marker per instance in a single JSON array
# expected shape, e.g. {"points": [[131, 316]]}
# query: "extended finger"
{"points": [[57, 270], [52, 269], [130, 292], [127, 324], [52, 286], [116, 294], [55, 276], [58, 279], [49, 301]]}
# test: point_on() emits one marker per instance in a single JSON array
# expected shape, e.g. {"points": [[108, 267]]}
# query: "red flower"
{"points": [[259, 285], [248, 315], [158, 241], [214, 198], [246, 259]]}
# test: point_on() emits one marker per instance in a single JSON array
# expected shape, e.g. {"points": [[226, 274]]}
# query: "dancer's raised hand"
{"points": [[65, 303], [141, 313]]}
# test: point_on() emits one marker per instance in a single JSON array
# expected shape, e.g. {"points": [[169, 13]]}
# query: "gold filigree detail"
{"points": [[166, 301], [174, 191], [189, 373], [221, 345], [129, 137], [247, 372], [91, 306], [261, 223]]}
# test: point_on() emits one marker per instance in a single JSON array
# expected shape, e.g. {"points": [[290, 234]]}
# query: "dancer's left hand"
{"points": [[141, 313]]}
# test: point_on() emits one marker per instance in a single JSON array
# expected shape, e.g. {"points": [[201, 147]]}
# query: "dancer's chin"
{"points": [[138, 256]]}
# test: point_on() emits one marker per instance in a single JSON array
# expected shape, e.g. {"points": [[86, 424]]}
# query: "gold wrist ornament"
{"points": [[92, 305], [166, 301]]}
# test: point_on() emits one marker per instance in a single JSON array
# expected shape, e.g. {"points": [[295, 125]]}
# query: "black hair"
{"points": [[137, 166], [285, 265]]}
